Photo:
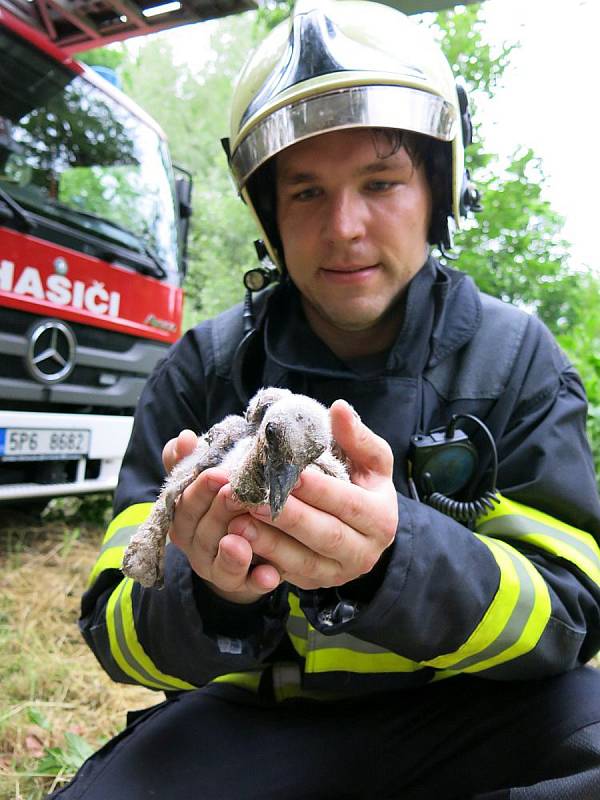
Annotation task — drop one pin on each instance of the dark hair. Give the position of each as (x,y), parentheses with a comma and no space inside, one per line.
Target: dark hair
(435,156)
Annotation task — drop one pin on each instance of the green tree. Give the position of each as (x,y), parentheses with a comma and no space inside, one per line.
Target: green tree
(112,57)
(515,250)
(194,113)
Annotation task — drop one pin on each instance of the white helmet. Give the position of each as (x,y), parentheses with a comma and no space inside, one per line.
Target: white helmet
(337,64)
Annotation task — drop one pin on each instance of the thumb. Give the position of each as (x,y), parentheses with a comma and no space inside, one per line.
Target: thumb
(178,448)
(371,456)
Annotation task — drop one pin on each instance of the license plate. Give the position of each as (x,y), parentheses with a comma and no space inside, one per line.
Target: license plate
(26,444)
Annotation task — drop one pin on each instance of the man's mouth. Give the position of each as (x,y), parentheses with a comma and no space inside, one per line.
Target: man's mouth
(349,273)
(349,267)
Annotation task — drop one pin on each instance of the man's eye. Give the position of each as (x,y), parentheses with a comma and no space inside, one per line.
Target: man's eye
(380,186)
(307,194)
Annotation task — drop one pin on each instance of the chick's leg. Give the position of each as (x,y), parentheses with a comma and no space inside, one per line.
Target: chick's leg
(143,560)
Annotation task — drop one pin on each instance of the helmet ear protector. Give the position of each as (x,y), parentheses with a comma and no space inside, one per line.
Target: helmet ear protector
(470,197)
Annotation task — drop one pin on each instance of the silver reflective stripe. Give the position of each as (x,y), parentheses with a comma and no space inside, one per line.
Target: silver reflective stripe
(515,625)
(297,627)
(517,526)
(385,106)
(346,642)
(124,648)
(120,538)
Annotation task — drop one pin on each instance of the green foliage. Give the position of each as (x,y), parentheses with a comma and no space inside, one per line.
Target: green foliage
(67,759)
(582,344)
(514,249)
(270,14)
(460,34)
(112,56)
(194,113)
(86,509)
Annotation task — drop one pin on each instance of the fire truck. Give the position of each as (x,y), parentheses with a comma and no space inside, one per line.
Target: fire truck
(93,227)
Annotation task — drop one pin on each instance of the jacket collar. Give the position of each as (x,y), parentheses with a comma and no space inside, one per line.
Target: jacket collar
(440,313)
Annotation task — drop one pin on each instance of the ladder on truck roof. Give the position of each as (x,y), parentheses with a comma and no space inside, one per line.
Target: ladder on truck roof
(76,25)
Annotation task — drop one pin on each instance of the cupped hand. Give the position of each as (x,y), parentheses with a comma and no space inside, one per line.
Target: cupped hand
(329,531)
(203,515)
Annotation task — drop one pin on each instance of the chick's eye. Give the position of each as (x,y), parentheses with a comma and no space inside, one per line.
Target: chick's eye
(271,432)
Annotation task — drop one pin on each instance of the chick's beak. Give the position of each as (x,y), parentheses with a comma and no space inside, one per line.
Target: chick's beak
(280,479)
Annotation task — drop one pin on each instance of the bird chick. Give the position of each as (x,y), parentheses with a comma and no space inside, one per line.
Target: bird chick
(294,433)
(263,452)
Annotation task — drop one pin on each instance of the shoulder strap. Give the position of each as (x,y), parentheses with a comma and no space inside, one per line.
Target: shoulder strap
(481,369)
(227,331)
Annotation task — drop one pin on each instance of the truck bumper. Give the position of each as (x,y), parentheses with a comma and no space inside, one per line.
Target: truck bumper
(25,473)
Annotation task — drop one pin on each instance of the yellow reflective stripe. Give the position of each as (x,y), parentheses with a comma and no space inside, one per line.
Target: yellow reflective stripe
(125,647)
(245,680)
(495,618)
(297,626)
(514,621)
(294,604)
(299,644)
(341,659)
(512,520)
(132,515)
(340,653)
(533,629)
(287,683)
(118,533)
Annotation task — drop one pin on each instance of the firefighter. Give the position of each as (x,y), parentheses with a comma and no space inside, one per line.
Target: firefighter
(423,631)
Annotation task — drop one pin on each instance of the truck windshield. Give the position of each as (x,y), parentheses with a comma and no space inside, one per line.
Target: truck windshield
(74,154)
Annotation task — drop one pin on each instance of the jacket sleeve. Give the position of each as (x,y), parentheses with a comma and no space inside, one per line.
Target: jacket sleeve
(518,597)
(180,636)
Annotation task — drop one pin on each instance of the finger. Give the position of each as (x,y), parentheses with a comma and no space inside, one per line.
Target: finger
(179,447)
(231,563)
(231,568)
(371,456)
(263,578)
(288,555)
(373,513)
(203,512)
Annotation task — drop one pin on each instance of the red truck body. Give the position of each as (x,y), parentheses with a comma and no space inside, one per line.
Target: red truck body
(93,222)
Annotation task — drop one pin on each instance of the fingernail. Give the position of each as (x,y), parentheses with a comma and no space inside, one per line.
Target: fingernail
(355,413)
(214,485)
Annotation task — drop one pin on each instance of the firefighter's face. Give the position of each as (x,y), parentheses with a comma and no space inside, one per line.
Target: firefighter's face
(354,230)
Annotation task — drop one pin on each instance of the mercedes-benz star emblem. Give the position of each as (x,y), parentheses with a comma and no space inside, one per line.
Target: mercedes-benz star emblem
(50,356)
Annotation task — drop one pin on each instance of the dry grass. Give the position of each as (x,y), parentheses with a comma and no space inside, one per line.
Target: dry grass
(45,667)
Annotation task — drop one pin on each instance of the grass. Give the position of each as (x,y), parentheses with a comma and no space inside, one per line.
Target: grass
(57,705)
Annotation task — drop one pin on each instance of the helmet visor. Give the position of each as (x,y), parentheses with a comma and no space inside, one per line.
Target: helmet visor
(381,106)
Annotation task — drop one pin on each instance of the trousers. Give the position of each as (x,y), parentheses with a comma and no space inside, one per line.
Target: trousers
(461,739)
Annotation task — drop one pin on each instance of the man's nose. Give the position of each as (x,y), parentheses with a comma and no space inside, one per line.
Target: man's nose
(344,217)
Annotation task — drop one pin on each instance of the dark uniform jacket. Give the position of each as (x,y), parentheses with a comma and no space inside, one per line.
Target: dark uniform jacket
(516,596)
